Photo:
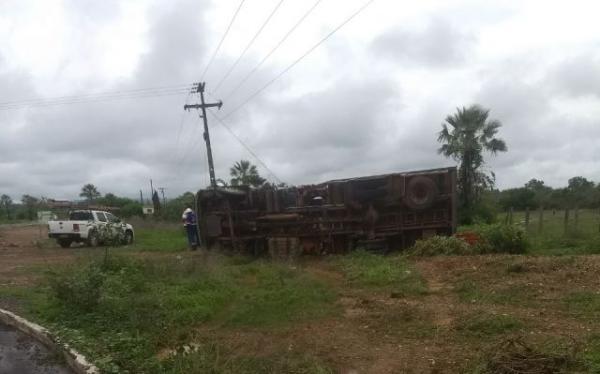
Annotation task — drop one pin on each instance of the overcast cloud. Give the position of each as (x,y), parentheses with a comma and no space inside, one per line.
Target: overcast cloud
(369,100)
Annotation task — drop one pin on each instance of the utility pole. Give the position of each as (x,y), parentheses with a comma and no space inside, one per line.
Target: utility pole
(141,198)
(162,191)
(203,106)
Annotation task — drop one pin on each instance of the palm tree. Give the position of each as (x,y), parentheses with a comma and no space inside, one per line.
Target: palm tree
(90,192)
(465,136)
(243,173)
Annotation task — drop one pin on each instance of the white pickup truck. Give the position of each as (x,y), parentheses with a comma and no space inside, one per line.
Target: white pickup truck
(92,227)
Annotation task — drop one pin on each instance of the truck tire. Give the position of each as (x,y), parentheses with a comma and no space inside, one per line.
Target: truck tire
(64,243)
(93,240)
(128,238)
(421,192)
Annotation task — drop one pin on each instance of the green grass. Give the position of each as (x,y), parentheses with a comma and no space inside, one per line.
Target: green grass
(392,273)
(163,239)
(470,292)
(584,304)
(144,306)
(483,325)
(591,354)
(554,240)
(211,358)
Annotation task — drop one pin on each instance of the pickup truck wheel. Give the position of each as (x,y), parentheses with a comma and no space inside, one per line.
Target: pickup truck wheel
(65,243)
(92,240)
(128,240)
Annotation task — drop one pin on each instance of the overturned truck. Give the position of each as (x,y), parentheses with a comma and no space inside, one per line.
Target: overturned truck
(381,212)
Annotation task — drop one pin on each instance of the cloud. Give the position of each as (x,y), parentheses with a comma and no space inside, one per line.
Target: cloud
(577,76)
(439,44)
(356,106)
(542,141)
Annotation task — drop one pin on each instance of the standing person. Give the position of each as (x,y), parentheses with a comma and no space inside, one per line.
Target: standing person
(189,222)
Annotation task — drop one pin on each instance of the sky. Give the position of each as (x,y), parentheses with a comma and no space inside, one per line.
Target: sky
(368,100)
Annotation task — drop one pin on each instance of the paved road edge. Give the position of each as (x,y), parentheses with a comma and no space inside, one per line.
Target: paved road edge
(76,361)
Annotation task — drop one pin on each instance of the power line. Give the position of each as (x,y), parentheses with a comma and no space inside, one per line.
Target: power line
(273,50)
(310,50)
(212,58)
(99,94)
(249,45)
(181,123)
(187,149)
(93,98)
(247,147)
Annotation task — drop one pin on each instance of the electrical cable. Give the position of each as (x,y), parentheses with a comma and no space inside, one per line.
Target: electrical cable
(289,67)
(272,51)
(212,58)
(93,98)
(139,91)
(247,147)
(218,85)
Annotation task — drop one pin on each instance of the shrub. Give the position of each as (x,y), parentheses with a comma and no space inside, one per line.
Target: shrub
(442,245)
(79,289)
(500,238)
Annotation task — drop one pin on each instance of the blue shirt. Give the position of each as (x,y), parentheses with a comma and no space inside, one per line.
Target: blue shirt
(189,218)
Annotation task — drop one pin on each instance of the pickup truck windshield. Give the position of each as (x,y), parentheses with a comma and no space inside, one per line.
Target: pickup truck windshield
(80,216)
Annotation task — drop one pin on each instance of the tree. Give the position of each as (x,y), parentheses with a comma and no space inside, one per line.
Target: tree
(580,191)
(6,204)
(535,185)
(90,192)
(465,135)
(30,203)
(542,193)
(243,173)
(518,198)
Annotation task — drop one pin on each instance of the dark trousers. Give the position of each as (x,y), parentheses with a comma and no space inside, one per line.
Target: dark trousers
(192,236)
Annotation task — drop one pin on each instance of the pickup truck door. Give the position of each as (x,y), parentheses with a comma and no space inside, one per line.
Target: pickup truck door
(116,227)
(102,227)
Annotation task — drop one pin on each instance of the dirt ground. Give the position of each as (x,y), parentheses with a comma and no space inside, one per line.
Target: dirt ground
(24,247)
(380,332)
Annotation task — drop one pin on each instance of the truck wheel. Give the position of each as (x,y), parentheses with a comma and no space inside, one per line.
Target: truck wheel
(421,192)
(65,243)
(92,240)
(128,239)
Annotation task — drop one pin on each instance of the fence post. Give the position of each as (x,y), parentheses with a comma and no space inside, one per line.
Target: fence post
(527,219)
(566,220)
(541,219)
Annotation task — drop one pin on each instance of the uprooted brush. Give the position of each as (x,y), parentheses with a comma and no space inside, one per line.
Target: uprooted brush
(514,356)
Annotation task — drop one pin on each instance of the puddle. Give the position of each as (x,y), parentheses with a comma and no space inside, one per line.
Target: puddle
(20,354)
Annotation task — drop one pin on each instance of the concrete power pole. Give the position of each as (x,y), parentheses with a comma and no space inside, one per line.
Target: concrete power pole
(203,106)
